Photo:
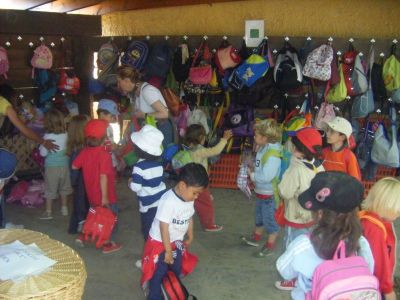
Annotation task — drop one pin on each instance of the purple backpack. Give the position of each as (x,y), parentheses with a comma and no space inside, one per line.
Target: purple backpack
(343,278)
(240,119)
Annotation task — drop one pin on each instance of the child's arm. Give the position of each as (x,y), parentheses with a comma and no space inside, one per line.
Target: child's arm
(104,189)
(217,149)
(189,239)
(352,165)
(164,228)
(135,184)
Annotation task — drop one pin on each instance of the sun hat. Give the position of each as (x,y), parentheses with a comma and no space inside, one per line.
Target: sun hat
(8,163)
(309,137)
(341,125)
(108,105)
(148,139)
(333,190)
(96,128)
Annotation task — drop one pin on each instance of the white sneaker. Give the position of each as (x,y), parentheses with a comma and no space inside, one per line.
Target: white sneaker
(10,225)
(138,264)
(64,211)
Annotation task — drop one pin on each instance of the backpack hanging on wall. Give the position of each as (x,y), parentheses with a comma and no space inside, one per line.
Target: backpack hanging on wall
(107,61)
(135,55)
(42,59)
(181,62)
(4,63)
(391,71)
(318,64)
(46,81)
(288,70)
(159,60)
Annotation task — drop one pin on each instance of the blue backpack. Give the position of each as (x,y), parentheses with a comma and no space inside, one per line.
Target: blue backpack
(135,55)
(159,60)
(46,81)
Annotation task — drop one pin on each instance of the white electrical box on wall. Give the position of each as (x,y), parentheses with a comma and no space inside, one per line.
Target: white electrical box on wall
(254,32)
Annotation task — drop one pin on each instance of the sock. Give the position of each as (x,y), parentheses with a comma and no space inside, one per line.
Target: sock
(270,245)
(256,236)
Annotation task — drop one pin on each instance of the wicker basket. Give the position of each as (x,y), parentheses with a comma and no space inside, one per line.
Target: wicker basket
(63,281)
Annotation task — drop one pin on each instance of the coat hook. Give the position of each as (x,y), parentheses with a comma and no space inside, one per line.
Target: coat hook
(185,37)
(214,50)
(19,38)
(52,45)
(129,38)
(244,37)
(330,39)
(351,40)
(316,107)
(361,54)
(30,44)
(286,95)
(339,53)
(112,39)
(62,39)
(337,108)
(276,106)
(166,37)
(205,37)
(147,37)
(21,96)
(306,95)
(348,97)
(394,41)
(378,111)
(297,107)
(309,38)
(224,37)
(274,51)
(287,39)
(372,41)
(8,44)
(390,100)
(41,39)
(382,54)
(265,37)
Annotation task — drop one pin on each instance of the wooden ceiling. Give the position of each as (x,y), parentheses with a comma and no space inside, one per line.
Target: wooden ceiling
(92,7)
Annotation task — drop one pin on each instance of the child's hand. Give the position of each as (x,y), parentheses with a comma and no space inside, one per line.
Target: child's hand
(105,202)
(227,134)
(187,242)
(168,258)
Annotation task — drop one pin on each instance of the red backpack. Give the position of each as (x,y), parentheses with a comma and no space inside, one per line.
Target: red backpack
(173,289)
(99,224)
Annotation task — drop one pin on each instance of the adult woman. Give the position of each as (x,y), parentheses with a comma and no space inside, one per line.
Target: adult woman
(7,110)
(148,100)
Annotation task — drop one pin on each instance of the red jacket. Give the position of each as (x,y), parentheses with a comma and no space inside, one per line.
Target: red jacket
(384,251)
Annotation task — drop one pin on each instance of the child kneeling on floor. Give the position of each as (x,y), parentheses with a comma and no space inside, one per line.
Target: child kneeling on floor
(98,174)
(166,246)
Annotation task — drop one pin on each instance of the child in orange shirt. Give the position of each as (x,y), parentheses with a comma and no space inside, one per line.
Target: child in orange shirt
(338,157)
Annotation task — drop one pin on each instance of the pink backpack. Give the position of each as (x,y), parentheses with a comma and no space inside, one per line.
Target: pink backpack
(42,58)
(4,64)
(344,278)
(34,196)
(18,191)
(325,114)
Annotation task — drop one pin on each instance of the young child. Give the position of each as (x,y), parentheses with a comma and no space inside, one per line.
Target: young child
(8,164)
(332,198)
(195,138)
(56,169)
(166,243)
(75,143)
(98,173)
(267,138)
(382,208)
(304,165)
(147,174)
(338,157)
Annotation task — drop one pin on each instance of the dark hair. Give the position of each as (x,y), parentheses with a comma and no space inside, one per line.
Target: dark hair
(7,91)
(102,111)
(94,142)
(194,134)
(308,155)
(333,227)
(194,175)
(144,155)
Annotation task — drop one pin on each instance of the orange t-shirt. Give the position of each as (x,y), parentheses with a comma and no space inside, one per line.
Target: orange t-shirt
(343,160)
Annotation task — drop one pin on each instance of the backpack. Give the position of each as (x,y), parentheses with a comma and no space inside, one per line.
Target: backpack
(288,71)
(391,73)
(4,63)
(42,58)
(135,55)
(159,60)
(343,278)
(107,61)
(99,224)
(359,78)
(249,72)
(46,81)
(240,120)
(182,158)
(172,288)
(318,64)
(325,114)
(181,63)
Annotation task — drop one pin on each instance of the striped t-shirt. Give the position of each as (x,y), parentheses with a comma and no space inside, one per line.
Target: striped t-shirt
(147,182)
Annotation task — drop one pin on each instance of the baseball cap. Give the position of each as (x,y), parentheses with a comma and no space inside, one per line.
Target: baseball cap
(148,139)
(96,128)
(333,190)
(309,137)
(109,105)
(341,125)
(8,163)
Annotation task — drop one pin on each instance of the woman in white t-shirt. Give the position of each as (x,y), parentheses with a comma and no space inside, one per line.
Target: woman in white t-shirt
(148,100)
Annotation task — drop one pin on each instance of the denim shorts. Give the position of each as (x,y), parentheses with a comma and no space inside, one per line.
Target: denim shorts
(264,214)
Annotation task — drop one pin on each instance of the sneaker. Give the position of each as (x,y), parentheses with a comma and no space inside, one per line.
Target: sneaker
(46,216)
(111,247)
(285,285)
(138,264)
(64,211)
(10,225)
(264,252)
(79,241)
(80,226)
(249,240)
(214,228)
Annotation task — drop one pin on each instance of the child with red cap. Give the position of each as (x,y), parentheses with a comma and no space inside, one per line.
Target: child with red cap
(304,165)
(98,172)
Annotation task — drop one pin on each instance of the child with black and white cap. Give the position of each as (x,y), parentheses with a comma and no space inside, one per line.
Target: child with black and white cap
(338,156)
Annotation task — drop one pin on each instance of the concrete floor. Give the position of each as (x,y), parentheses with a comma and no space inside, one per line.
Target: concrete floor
(226,268)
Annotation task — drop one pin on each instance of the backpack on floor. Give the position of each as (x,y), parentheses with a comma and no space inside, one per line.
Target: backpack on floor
(4,63)
(172,288)
(135,55)
(343,278)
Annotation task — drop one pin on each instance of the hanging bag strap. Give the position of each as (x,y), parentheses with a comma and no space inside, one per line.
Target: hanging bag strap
(196,56)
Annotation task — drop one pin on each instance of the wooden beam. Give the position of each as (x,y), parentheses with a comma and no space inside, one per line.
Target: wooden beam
(20,4)
(63,6)
(110,6)
(43,23)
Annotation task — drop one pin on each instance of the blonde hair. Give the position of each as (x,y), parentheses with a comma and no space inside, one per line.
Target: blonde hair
(383,198)
(270,129)
(76,136)
(128,72)
(54,121)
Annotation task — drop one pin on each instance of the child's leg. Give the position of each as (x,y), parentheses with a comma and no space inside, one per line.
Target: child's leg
(64,188)
(204,207)
(258,218)
(146,220)
(270,224)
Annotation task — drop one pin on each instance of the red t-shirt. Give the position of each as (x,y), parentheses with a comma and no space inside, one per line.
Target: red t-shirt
(95,161)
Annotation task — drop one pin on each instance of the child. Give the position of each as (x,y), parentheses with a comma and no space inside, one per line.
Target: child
(75,143)
(56,170)
(338,157)
(267,138)
(147,174)
(195,138)
(165,246)
(8,164)
(382,208)
(332,198)
(98,173)
(304,165)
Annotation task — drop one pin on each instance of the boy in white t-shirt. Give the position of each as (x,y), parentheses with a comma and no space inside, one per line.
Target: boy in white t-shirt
(165,246)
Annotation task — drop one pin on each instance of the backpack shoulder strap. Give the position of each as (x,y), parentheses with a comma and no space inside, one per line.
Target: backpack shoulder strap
(269,153)
(363,215)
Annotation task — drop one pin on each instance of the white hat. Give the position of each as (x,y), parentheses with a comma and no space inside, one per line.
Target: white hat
(341,125)
(148,139)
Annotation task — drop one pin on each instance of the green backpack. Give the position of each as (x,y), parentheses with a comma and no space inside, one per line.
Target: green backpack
(181,158)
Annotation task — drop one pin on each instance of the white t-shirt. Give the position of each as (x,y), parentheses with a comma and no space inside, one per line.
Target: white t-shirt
(148,95)
(176,212)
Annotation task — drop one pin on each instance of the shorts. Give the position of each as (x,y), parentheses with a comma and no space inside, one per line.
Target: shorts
(264,215)
(57,182)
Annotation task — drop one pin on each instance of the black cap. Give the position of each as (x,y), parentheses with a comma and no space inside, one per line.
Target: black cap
(333,190)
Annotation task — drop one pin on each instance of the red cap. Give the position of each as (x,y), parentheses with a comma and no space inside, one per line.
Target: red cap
(96,128)
(309,137)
